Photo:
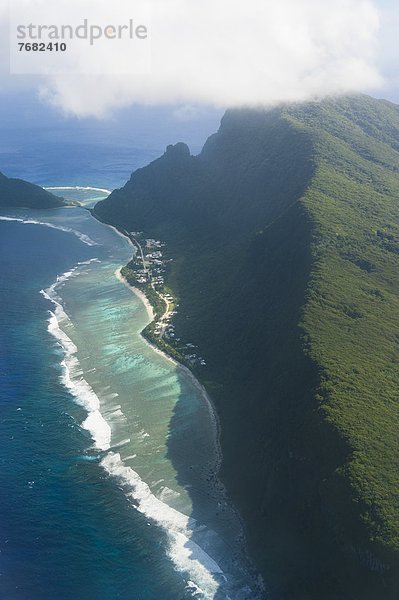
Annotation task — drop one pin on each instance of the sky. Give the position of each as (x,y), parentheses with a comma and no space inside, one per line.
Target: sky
(207,56)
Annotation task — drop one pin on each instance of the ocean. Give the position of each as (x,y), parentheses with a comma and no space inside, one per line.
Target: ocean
(109,452)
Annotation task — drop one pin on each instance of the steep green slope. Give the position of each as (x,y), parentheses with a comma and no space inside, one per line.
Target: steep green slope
(19,193)
(284,235)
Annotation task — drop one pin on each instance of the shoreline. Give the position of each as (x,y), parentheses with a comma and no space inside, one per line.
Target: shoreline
(260,584)
(179,365)
(209,409)
(138,293)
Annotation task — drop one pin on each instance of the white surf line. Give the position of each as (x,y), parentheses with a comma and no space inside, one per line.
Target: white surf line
(72,377)
(214,417)
(83,237)
(187,556)
(79,188)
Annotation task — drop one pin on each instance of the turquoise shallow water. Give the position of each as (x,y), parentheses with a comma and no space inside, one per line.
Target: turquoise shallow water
(144,447)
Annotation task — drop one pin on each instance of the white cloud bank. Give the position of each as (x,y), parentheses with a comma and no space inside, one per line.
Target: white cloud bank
(232,53)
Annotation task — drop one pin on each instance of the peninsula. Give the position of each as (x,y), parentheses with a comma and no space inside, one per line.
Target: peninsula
(18,193)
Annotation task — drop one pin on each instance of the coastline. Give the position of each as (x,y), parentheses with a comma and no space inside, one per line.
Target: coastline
(185,534)
(180,366)
(200,387)
(140,295)
(260,586)
(212,413)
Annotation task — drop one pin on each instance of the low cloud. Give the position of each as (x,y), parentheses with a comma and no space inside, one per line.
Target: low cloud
(225,53)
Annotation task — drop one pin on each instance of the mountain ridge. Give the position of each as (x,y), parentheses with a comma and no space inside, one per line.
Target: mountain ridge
(284,232)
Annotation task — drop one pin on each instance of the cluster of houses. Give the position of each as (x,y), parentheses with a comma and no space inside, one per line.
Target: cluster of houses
(142,276)
(154,244)
(194,360)
(150,270)
(187,350)
(155,260)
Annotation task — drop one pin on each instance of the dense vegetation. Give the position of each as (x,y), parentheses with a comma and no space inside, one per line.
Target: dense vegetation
(18,193)
(285,238)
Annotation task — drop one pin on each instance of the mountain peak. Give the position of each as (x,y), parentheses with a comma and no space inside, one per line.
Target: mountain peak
(179,150)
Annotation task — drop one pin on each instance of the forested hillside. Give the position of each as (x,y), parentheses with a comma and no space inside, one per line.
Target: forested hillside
(19,193)
(284,234)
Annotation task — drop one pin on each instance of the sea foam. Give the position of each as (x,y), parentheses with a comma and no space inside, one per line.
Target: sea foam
(72,375)
(83,238)
(79,188)
(202,573)
(187,556)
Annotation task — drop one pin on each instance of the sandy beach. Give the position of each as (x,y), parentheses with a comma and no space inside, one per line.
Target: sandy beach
(138,293)
(178,365)
(212,409)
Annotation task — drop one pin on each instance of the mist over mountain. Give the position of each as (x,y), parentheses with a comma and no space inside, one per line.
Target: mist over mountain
(284,235)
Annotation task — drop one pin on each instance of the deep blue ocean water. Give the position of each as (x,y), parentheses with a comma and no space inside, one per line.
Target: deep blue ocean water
(69,527)
(66,530)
